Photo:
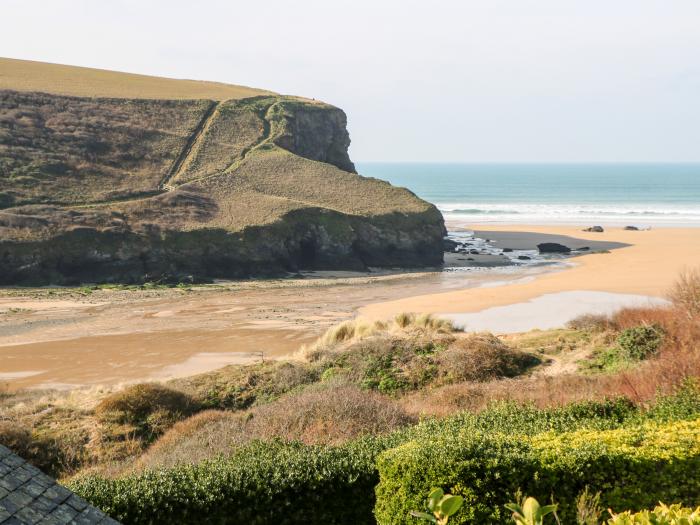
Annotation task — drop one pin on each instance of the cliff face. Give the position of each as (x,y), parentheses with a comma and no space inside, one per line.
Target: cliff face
(95,190)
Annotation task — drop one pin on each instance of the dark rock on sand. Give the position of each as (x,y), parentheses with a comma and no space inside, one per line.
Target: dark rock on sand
(632,228)
(597,229)
(553,247)
(524,258)
(507,250)
(583,249)
(450,246)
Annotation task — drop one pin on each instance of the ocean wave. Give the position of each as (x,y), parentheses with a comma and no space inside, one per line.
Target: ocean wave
(511,212)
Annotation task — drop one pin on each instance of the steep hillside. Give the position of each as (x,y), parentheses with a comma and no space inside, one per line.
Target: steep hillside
(129,189)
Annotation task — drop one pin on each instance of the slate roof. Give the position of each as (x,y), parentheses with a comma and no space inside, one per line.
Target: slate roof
(27,495)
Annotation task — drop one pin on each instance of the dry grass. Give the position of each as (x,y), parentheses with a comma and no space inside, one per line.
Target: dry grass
(481,357)
(146,410)
(678,359)
(685,293)
(403,325)
(26,75)
(320,415)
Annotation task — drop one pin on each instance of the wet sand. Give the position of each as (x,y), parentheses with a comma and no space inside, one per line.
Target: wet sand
(648,265)
(110,337)
(59,338)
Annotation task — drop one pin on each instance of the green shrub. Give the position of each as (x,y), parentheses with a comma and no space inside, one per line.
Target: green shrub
(633,467)
(263,483)
(632,345)
(661,515)
(640,342)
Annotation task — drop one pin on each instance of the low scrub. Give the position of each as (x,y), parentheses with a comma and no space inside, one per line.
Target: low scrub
(276,482)
(481,357)
(632,346)
(409,361)
(149,408)
(238,387)
(331,414)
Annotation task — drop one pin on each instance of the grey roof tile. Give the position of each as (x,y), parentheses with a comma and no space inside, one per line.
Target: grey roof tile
(28,496)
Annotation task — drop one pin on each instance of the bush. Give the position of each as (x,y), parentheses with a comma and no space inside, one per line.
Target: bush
(481,357)
(640,342)
(149,407)
(661,515)
(632,345)
(320,415)
(261,483)
(16,438)
(238,387)
(633,467)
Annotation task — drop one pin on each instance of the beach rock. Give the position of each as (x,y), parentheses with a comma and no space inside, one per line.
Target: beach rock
(507,250)
(474,252)
(597,229)
(524,258)
(553,247)
(450,246)
(583,248)
(470,258)
(632,228)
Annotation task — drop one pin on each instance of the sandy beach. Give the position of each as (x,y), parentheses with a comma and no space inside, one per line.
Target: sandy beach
(53,338)
(648,267)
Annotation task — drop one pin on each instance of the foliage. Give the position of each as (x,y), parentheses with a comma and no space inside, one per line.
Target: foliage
(640,342)
(531,513)
(441,507)
(632,345)
(588,508)
(264,482)
(633,467)
(661,515)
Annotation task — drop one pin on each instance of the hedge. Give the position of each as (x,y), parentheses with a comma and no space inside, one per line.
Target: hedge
(633,467)
(263,483)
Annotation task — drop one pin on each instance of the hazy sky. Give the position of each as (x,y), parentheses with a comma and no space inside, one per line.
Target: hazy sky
(469,80)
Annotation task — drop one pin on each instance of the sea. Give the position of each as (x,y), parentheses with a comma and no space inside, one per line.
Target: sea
(641,195)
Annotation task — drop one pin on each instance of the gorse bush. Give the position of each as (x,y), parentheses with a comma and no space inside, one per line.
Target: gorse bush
(640,342)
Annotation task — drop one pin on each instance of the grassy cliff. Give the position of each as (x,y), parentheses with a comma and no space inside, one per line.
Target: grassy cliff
(101,180)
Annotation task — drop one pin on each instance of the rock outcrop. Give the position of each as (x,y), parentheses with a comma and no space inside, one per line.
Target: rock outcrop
(109,189)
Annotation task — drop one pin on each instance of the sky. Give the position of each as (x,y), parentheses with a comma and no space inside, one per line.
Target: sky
(440,81)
